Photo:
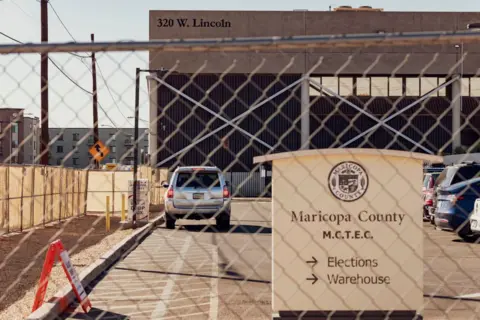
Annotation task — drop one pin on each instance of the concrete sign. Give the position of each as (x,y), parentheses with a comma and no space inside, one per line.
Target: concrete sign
(143,203)
(347,230)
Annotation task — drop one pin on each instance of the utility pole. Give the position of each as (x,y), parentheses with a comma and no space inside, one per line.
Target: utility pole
(44,84)
(135,146)
(95,101)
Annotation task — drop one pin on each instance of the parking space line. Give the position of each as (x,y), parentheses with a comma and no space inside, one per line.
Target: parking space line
(469,296)
(214,286)
(161,307)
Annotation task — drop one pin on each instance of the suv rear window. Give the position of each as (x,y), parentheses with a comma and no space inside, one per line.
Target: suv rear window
(197,179)
(445,177)
(466,173)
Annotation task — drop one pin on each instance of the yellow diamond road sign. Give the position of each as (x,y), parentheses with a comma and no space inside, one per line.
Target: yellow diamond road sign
(99,151)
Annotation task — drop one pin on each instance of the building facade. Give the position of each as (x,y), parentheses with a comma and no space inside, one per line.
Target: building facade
(12,134)
(70,147)
(31,146)
(345,87)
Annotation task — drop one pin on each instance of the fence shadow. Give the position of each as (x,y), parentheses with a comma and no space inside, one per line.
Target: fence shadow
(238,228)
(22,255)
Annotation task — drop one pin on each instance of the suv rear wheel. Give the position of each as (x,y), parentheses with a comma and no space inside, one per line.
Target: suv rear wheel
(223,221)
(169,221)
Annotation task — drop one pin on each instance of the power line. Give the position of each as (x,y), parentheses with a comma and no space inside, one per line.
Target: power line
(110,92)
(66,75)
(68,31)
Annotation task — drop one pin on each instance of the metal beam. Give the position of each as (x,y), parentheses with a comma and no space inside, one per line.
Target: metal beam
(372,117)
(411,105)
(255,43)
(235,120)
(230,122)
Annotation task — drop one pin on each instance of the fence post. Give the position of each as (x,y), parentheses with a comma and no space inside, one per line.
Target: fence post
(113,192)
(86,192)
(72,176)
(107,214)
(51,194)
(79,176)
(32,203)
(21,197)
(44,184)
(7,179)
(60,194)
(123,208)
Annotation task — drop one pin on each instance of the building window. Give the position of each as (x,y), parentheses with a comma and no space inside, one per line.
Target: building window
(59,162)
(331,84)
(465,87)
(14,128)
(113,149)
(346,87)
(76,136)
(379,87)
(427,84)
(363,86)
(75,161)
(395,87)
(413,87)
(1,149)
(442,92)
(114,160)
(475,87)
(314,84)
(59,149)
(60,137)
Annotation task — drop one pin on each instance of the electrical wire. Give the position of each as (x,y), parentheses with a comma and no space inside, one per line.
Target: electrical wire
(68,31)
(67,76)
(110,92)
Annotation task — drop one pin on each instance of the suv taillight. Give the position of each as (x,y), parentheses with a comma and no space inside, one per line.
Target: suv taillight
(170,193)
(455,198)
(226,193)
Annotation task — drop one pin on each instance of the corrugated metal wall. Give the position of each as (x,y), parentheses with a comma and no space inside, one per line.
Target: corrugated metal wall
(275,122)
(332,122)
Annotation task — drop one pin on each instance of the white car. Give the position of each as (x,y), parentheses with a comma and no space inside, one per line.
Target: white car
(197,193)
(475,218)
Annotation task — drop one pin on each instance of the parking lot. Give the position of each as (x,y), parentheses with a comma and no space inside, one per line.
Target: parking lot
(196,272)
(451,271)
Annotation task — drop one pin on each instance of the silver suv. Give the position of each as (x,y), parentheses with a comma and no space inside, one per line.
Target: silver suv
(197,193)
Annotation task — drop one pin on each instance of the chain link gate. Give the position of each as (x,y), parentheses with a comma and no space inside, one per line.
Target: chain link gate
(239,122)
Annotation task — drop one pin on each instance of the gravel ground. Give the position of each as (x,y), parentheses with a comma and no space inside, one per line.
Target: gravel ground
(22,257)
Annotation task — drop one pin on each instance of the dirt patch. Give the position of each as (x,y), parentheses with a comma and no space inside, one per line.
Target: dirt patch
(22,257)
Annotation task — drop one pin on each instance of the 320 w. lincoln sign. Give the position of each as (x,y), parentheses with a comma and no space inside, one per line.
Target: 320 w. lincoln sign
(192,23)
(347,231)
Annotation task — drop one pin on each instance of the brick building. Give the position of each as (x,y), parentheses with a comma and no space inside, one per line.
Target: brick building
(12,134)
(379,79)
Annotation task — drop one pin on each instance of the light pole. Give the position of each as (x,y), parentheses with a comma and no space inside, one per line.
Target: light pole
(142,152)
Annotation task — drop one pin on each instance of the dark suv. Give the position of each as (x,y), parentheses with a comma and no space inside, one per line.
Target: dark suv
(451,175)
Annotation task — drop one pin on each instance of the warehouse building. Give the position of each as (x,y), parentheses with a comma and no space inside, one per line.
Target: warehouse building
(346,87)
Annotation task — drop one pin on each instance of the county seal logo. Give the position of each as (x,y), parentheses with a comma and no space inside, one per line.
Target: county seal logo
(348,181)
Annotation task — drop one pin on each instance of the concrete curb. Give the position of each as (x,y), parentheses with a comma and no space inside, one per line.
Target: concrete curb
(52,310)
(252,199)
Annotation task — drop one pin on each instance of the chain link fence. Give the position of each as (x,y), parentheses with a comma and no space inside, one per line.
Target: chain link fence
(322,159)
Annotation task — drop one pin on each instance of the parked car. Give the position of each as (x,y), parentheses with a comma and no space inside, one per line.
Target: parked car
(197,193)
(427,190)
(475,218)
(455,205)
(451,175)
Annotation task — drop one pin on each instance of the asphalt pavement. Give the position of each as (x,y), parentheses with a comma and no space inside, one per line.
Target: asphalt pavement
(193,272)
(196,272)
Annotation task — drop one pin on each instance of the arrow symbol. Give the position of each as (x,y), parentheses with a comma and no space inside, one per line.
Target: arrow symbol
(314,279)
(313,262)
(97,147)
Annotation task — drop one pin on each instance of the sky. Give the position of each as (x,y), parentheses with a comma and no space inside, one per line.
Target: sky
(115,20)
